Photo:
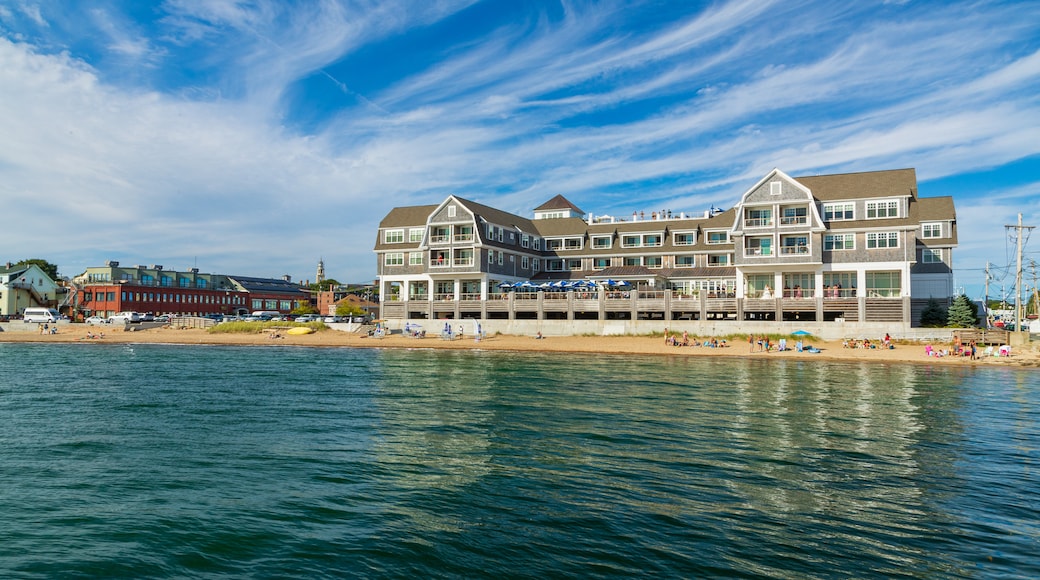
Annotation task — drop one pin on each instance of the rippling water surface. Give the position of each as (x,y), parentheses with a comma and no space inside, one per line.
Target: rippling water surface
(220,462)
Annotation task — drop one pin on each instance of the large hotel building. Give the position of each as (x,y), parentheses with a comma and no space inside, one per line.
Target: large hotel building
(860,249)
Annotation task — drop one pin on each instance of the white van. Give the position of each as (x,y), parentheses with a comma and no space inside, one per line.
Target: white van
(266,314)
(40,315)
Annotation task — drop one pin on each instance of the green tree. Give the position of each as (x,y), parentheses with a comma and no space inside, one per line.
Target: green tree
(348,309)
(324,285)
(304,308)
(962,313)
(933,315)
(50,269)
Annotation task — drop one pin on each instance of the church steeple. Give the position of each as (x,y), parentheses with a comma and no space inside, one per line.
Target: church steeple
(320,276)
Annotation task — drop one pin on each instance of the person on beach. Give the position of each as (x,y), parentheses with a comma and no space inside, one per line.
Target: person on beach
(751,342)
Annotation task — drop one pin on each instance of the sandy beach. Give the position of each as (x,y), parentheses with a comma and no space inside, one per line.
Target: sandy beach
(641,345)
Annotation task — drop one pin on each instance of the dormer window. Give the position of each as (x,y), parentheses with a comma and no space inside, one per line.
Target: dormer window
(882,209)
(931,230)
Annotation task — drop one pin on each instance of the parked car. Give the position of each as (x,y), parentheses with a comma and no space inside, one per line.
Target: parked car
(147,317)
(124,317)
(95,320)
(308,318)
(162,318)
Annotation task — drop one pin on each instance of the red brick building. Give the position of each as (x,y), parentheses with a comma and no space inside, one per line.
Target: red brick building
(109,289)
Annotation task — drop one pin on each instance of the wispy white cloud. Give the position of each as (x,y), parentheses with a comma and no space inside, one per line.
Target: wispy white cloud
(683,111)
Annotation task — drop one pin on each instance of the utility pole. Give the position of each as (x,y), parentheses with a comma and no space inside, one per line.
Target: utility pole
(1018,271)
(1036,292)
(985,298)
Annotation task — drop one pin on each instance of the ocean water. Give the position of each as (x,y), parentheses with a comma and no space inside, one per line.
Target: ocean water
(164,461)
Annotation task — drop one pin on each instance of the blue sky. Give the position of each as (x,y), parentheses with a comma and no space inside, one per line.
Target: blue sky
(256,137)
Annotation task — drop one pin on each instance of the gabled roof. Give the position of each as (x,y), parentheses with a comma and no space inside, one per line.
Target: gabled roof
(558,202)
(13,270)
(413,215)
(496,216)
(869,184)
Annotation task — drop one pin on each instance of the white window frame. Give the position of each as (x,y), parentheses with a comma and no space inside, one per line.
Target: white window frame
(393,236)
(632,261)
(415,258)
(676,241)
(525,241)
(883,209)
(681,261)
(795,218)
(596,246)
(758,217)
(931,230)
(776,188)
(847,242)
(649,243)
(875,239)
(596,266)
(723,261)
(452,211)
(626,237)
(394,259)
(709,236)
(839,212)
(525,262)
(415,235)
(931,256)
(654,262)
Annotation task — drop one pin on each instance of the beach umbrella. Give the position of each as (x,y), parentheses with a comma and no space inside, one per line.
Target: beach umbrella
(801,333)
(559,284)
(609,282)
(504,285)
(622,283)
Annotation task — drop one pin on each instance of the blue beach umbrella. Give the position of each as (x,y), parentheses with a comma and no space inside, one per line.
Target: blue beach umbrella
(801,333)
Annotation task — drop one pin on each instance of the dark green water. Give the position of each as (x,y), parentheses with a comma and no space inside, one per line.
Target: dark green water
(151,461)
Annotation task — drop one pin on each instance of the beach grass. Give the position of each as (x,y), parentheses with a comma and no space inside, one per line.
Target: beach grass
(244,327)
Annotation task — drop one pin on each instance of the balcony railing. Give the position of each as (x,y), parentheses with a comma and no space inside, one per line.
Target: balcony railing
(440,239)
(758,222)
(793,220)
(463,238)
(793,250)
(750,252)
(463,262)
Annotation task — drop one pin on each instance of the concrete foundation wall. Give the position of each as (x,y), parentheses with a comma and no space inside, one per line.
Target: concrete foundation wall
(705,329)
